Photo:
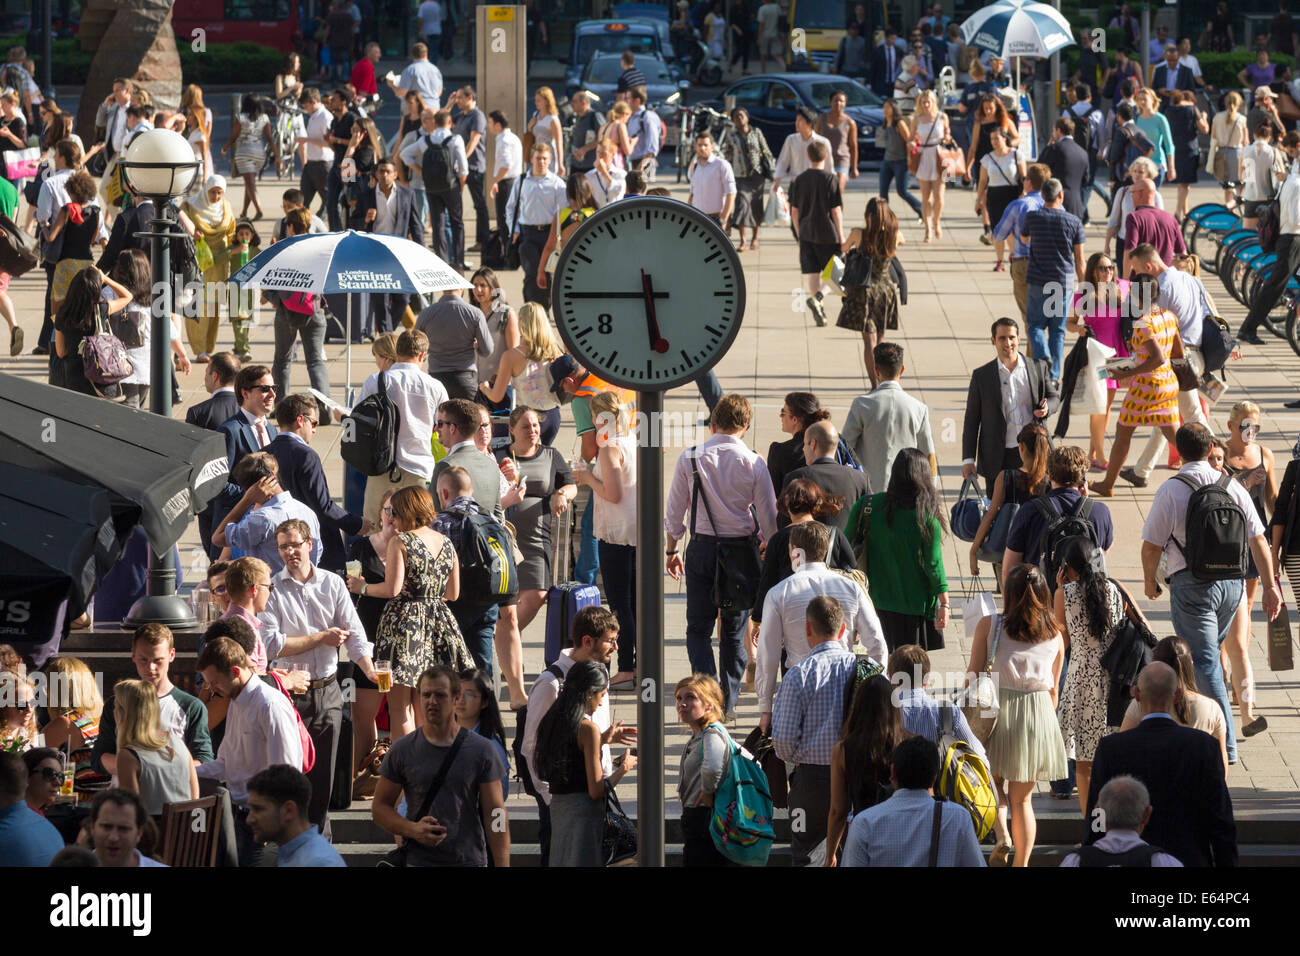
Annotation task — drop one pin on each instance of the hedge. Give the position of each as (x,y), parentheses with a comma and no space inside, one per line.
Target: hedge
(247,64)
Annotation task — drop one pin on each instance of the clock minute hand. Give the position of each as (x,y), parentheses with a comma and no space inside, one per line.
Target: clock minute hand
(657,341)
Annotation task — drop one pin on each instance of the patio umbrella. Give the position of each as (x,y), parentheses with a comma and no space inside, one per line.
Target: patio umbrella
(1018,28)
(342,262)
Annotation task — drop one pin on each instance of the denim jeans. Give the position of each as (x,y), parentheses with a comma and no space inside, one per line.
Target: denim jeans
(1045,317)
(618,571)
(313,346)
(702,614)
(477,623)
(584,572)
(1202,612)
(896,172)
(710,389)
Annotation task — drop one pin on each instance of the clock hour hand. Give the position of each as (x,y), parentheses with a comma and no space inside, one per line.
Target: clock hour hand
(612,295)
(657,341)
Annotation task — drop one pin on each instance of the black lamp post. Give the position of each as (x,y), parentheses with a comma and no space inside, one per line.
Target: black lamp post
(160,165)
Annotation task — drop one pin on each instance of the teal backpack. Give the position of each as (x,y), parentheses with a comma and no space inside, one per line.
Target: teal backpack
(741,825)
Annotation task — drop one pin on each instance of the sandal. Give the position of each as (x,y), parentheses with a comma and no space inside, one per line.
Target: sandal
(1002,855)
(1258,725)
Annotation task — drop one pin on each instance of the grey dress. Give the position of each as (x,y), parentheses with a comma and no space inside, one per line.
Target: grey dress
(545,472)
(163,781)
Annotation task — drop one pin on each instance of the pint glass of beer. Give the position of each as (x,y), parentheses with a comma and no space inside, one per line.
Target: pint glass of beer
(384,676)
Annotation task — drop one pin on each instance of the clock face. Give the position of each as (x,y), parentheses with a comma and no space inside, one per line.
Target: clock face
(649,293)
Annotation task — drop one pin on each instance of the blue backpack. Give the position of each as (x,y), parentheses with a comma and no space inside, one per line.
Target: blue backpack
(741,825)
(844,456)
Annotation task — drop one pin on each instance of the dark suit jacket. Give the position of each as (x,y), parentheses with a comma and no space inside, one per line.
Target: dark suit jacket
(784,457)
(405,215)
(881,82)
(1068,162)
(835,479)
(213,412)
(240,441)
(1182,768)
(303,477)
(983,434)
(1184,80)
(125,226)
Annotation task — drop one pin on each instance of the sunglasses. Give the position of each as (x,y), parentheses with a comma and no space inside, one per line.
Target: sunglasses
(52,775)
(219,589)
(265,389)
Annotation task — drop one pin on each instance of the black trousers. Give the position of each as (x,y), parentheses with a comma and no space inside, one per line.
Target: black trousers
(532,241)
(1288,260)
(315,176)
(698,848)
(321,709)
(1010,459)
(333,198)
(47,323)
(386,311)
(544,830)
(810,792)
(459,384)
(443,206)
(504,188)
(479,199)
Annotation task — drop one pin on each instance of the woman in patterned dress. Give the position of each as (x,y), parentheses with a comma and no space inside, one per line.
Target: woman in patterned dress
(417,629)
(1152,397)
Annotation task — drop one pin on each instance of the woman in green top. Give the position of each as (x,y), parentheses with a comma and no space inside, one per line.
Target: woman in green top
(1156,128)
(903,530)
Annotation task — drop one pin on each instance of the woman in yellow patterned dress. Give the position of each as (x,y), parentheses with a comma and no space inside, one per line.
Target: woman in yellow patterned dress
(1152,397)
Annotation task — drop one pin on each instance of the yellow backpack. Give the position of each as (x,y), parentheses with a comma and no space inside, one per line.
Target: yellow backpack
(964,776)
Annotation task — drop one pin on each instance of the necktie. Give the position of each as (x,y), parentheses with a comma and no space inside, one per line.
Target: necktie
(262,438)
(889,62)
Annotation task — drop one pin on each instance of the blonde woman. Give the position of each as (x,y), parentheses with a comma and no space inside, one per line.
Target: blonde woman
(1228,136)
(75,703)
(546,128)
(150,761)
(198,130)
(613,489)
(931,130)
(527,367)
(705,760)
(210,218)
(615,131)
(1155,127)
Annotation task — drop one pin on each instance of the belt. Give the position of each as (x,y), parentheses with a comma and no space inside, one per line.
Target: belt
(524,225)
(320,682)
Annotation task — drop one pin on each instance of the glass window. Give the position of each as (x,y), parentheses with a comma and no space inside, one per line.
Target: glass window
(607,69)
(257,9)
(780,95)
(749,94)
(820,14)
(856,94)
(613,43)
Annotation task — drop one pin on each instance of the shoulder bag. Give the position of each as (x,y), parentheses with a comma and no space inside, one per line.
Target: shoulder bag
(993,546)
(620,840)
(397,856)
(979,702)
(917,148)
(103,356)
(738,566)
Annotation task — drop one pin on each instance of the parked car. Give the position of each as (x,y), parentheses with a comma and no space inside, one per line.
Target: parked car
(664,94)
(772,98)
(639,34)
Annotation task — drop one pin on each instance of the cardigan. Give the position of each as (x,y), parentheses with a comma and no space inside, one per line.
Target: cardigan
(904,573)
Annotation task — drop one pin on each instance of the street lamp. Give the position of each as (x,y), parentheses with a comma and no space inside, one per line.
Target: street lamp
(160,165)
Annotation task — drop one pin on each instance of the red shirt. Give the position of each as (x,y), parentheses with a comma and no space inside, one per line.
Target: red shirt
(363,77)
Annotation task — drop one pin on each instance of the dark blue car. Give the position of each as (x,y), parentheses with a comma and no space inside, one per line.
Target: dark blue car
(772,98)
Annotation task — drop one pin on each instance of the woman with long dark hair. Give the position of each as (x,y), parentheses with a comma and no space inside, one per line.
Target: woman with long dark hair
(250,130)
(502,321)
(1191,707)
(800,410)
(568,758)
(479,713)
(893,169)
(1001,172)
(75,320)
(134,324)
(1089,608)
(1026,745)
(903,530)
(873,308)
(860,760)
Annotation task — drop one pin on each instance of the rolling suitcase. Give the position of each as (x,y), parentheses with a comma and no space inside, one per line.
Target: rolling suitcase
(565,598)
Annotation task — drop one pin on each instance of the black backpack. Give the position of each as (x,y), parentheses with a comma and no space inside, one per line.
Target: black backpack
(1215,549)
(1269,223)
(1059,528)
(1083,132)
(487,562)
(436,167)
(521,721)
(863,668)
(369,442)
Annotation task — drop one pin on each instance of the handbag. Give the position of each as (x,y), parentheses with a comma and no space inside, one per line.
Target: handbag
(397,856)
(760,745)
(126,325)
(17,248)
(857,270)
(21,163)
(969,511)
(976,606)
(103,356)
(620,841)
(979,702)
(1280,655)
(1217,343)
(738,566)
(203,254)
(1187,380)
(1218,164)
(952,161)
(995,544)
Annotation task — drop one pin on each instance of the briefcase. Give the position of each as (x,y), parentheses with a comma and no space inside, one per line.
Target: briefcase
(1280,656)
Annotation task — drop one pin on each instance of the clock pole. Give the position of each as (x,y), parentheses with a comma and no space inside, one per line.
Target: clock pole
(650,631)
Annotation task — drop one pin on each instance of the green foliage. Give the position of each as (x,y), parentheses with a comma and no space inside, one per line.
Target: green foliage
(1221,69)
(248,64)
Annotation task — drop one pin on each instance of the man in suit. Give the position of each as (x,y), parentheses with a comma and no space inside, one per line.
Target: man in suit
(130,221)
(388,209)
(246,431)
(1171,75)
(219,380)
(886,420)
(1005,395)
(302,475)
(1182,768)
(1069,163)
(886,61)
(820,442)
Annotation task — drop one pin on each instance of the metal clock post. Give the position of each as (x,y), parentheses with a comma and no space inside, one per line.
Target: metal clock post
(649,295)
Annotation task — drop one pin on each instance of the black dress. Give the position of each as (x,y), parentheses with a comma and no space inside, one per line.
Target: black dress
(784,457)
(70,372)
(1182,127)
(369,609)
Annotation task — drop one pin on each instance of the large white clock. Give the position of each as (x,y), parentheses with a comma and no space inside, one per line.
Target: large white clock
(649,293)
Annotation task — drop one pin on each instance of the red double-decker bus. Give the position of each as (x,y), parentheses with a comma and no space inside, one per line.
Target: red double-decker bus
(271,23)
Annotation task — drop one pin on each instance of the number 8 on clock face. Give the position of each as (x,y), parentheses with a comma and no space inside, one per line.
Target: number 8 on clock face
(649,293)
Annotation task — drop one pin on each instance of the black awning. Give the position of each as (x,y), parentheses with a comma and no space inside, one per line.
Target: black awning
(167,468)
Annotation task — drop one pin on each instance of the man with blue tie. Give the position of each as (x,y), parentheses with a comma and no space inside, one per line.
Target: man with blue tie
(247,431)
(885,63)
(302,476)
(250,525)
(211,413)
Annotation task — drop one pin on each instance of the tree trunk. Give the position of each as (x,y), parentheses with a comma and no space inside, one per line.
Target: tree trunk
(132,39)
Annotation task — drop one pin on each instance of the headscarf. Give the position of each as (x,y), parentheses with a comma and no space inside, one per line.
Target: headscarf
(211,213)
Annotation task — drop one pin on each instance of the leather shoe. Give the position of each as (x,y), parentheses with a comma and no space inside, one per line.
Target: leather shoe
(1099,491)
(1295,404)
(1250,338)
(1132,477)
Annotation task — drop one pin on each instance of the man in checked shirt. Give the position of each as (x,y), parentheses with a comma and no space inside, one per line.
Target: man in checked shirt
(806,722)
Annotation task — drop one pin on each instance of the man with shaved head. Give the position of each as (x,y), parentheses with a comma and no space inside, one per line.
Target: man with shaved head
(1182,769)
(1125,807)
(820,444)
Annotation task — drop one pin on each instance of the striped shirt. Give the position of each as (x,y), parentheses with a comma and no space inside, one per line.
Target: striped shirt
(810,705)
(1052,233)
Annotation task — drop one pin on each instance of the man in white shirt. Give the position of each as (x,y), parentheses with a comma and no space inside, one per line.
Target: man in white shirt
(117,821)
(420,75)
(261,731)
(1288,249)
(643,129)
(1188,59)
(784,610)
(770,42)
(429,16)
(794,151)
(451,167)
(608,183)
(1125,805)
(417,396)
(1201,610)
(53,197)
(886,420)
(595,638)
(713,182)
(308,615)
(537,198)
(509,157)
(315,171)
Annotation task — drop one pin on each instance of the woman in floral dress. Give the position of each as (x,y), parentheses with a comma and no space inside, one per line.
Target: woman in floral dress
(1152,397)
(417,629)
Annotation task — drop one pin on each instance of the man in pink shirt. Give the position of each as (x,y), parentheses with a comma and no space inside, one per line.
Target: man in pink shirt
(248,586)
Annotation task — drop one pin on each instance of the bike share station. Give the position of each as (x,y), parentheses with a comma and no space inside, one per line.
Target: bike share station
(649,320)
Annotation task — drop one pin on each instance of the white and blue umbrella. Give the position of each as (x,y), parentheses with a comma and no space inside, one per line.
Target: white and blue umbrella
(1016,28)
(348,262)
